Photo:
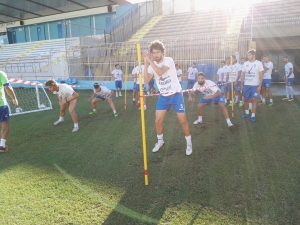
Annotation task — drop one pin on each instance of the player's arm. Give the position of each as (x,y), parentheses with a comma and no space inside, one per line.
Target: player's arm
(290,72)
(147,76)
(214,95)
(93,96)
(191,96)
(238,76)
(242,80)
(10,91)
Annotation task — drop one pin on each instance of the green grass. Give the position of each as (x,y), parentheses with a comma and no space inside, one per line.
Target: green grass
(247,175)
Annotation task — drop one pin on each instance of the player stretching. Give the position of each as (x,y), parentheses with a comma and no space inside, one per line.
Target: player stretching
(266,85)
(102,93)
(236,73)
(164,72)
(226,71)
(4,110)
(118,75)
(221,75)
(192,73)
(67,97)
(179,74)
(289,79)
(252,77)
(211,93)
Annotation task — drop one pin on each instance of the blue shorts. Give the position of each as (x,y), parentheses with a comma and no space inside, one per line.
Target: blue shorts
(238,86)
(266,83)
(250,92)
(217,100)
(134,83)
(229,86)
(191,83)
(290,82)
(137,88)
(180,82)
(102,98)
(118,84)
(176,100)
(151,83)
(220,84)
(4,113)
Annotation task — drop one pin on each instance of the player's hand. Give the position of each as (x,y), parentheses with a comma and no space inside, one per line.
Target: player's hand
(242,88)
(258,89)
(15,102)
(146,56)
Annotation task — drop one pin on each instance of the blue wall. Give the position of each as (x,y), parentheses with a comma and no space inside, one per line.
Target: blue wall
(123,9)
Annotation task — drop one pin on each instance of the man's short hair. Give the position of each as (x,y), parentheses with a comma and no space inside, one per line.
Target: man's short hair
(227,58)
(252,51)
(233,56)
(157,45)
(285,57)
(50,83)
(116,65)
(96,85)
(244,58)
(176,64)
(194,63)
(201,74)
(223,61)
(265,56)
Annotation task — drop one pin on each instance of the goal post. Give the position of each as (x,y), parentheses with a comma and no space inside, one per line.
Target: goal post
(31,98)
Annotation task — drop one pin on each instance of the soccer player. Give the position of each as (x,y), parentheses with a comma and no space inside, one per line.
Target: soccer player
(236,73)
(266,85)
(179,74)
(211,93)
(118,75)
(67,97)
(252,77)
(243,60)
(221,75)
(226,70)
(102,93)
(137,86)
(134,75)
(4,110)
(164,72)
(192,73)
(289,79)
(151,88)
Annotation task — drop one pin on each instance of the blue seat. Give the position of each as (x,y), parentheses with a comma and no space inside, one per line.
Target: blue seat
(68,81)
(61,81)
(74,81)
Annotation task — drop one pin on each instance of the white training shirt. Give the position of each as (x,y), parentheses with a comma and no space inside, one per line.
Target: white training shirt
(268,73)
(179,72)
(138,78)
(219,73)
(210,87)
(117,74)
(168,82)
(287,69)
(104,92)
(192,72)
(252,70)
(226,70)
(134,73)
(235,71)
(65,91)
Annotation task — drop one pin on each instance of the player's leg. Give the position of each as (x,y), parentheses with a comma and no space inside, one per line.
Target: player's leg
(268,90)
(225,92)
(263,99)
(62,113)
(72,105)
(145,107)
(94,102)
(116,86)
(247,95)
(229,89)
(159,118)
(133,94)
(225,113)
(291,90)
(112,106)
(253,100)
(4,118)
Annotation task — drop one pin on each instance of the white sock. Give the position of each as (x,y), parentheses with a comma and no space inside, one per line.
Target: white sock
(225,100)
(291,91)
(2,142)
(133,99)
(228,121)
(261,97)
(230,102)
(61,118)
(247,111)
(253,115)
(271,100)
(250,105)
(160,138)
(94,110)
(114,111)
(188,140)
(236,98)
(263,100)
(75,125)
(120,93)
(287,91)
(199,118)
(145,107)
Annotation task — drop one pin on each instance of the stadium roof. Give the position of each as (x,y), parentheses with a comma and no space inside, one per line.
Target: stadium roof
(16,10)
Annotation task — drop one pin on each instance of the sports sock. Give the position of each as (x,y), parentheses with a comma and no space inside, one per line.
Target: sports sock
(61,118)
(114,111)
(2,142)
(253,115)
(199,118)
(271,100)
(94,110)
(120,93)
(291,91)
(75,125)
(247,111)
(263,100)
(188,140)
(133,99)
(145,107)
(228,121)
(160,138)
(236,98)
(287,91)
(250,105)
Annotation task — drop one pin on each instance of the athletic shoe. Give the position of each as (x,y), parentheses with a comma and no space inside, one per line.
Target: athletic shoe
(93,112)
(120,95)
(285,99)
(198,121)
(271,104)
(138,104)
(117,94)
(291,99)
(188,150)
(75,129)
(3,149)
(250,109)
(158,146)
(253,119)
(145,107)
(262,103)
(230,125)
(116,115)
(241,104)
(245,115)
(133,103)
(57,122)
(230,105)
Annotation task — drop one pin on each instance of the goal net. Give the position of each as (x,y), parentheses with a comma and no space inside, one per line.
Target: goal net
(31,98)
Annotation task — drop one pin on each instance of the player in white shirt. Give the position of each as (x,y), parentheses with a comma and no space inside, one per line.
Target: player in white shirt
(242,61)
(226,71)
(211,93)
(179,74)
(67,97)
(164,72)
(192,76)
(252,77)
(134,76)
(137,86)
(117,74)
(266,85)
(220,74)
(236,76)
(102,93)
(289,79)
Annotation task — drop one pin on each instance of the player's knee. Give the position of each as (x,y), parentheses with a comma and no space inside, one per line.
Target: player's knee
(158,121)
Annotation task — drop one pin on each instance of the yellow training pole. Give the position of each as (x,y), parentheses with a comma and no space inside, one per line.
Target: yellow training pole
(232,90)
(126,75)
(138,46)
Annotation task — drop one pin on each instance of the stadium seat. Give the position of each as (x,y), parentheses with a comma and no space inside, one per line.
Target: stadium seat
(61,81)
(74,81)
(69,81)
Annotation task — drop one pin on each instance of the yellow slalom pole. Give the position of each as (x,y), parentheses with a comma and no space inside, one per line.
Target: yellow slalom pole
(232,90)
(126,75)
(138,46)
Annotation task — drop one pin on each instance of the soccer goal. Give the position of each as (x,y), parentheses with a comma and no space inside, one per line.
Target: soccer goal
(31,98)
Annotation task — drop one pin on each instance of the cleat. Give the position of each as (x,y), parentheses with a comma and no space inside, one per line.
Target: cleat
(271,104)
(261,103)
(188,150)
(138,104)
(116,115)
(3,149)
(75,129)
(241,104)
(230,105)
(253,119)
(245,115)
(120,95)
(230,125)
(158,146)
(198,121)
(57,122)
(145,107)
(93,112)
(291,99)
(117,94)
(285,99)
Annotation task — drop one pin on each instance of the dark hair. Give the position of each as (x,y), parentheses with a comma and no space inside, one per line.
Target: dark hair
(51,83)
(285,57)
(223,61)
(233,56)
(96,85)
(252,51)
(201,74)
(244,58)
(116,65)
(157,45)
(176,64)
(227,58)
(264,56)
